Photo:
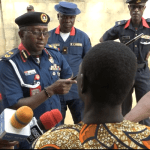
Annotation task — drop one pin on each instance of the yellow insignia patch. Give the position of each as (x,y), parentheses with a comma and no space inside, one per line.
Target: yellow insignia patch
(56,44)
(44,17)
(50,45)
(7,55)
(10,53)
(55,47)
(138,1)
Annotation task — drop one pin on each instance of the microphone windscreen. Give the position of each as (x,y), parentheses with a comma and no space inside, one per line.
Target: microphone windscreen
(21,117)
(51,118)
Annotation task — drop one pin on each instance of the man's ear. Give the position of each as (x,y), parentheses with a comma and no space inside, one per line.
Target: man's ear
(58,16)
(83,84)
(21,34)
(129,7)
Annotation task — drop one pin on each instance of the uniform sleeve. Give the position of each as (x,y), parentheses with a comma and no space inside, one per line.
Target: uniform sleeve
(10,87)
(87,45)
(111,34)
(66,71)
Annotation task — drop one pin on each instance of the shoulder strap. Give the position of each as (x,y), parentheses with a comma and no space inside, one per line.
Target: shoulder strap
(119,23)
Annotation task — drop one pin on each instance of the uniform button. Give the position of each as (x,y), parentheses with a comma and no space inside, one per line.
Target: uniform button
(135,45)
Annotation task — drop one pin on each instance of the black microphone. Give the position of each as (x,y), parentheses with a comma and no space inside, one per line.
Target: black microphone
(46,121)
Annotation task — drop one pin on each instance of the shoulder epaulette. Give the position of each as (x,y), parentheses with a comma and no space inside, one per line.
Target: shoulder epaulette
(48,46)
(10,54)
(122,22)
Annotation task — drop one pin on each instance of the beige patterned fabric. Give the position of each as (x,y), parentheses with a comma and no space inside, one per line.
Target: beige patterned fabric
(124,135)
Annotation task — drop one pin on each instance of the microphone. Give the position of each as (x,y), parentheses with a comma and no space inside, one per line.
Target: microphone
(46,121)
(15,127)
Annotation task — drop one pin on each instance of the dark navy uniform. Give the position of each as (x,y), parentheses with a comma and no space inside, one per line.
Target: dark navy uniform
(23,74)
(48,71)
(124,31)
(74,49)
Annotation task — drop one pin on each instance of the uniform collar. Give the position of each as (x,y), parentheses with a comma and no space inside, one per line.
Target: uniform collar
(24,53)
(72,33)
(144,23)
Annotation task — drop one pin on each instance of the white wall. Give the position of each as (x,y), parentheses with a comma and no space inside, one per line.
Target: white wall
(147,10)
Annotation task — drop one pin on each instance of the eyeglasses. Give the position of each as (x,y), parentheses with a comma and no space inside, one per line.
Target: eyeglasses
(39,33)
(140,7)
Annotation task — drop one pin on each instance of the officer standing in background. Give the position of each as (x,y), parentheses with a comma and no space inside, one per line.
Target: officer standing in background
(126,30)
(73,45)
(30,8)
(33,74)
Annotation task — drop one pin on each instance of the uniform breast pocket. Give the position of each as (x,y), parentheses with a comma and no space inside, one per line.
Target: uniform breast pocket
(76,49)
(145,42)
(29,79)
(124,39)
(145,48)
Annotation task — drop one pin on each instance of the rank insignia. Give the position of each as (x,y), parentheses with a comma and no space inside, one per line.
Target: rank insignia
(7,55)
(44,17)
(138,1)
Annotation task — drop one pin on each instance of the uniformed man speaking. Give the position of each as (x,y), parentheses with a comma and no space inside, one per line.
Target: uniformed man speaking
(33,74)
(126,30)
(73,45)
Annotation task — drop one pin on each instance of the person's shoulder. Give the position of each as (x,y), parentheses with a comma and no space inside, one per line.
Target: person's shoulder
(52,30)
(132,126)
(61,133)
(50,47)
(10,54)
(121,22)
(78,31)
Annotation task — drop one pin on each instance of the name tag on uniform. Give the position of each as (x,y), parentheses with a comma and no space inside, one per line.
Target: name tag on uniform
(30,72)
(125,37)
(146,37)
(34,91)
(76,44)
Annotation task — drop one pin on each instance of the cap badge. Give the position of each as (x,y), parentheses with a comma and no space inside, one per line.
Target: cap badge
(44,17)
